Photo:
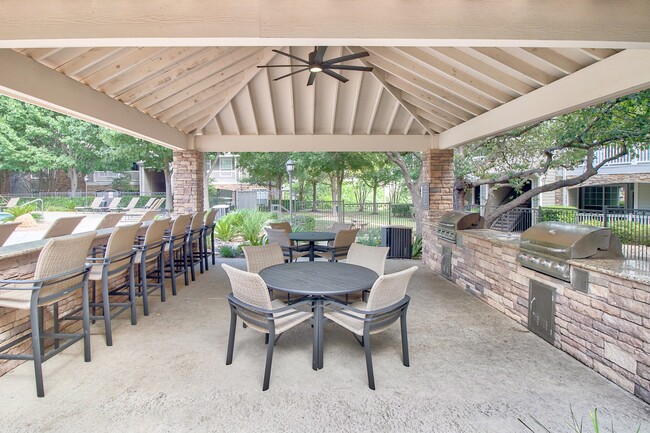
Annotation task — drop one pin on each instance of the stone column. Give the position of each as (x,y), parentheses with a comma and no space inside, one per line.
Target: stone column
(438,170)
(188,181)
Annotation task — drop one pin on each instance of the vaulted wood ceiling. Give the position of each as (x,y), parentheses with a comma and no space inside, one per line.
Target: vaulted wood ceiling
(220,90)
(184,73)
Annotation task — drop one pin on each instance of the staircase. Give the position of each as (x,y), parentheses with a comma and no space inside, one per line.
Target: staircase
(508,221)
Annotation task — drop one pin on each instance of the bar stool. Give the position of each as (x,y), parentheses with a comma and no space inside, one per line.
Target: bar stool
(60,273)
(194,232)
(150,250)
(176,249)
(117,260)
(208,230)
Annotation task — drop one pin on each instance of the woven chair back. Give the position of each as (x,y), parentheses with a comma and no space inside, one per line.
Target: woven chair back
(209,218)
(156,231)
(63,226)
(263,256)
(345,238)
(180,224)
(389,289)
(248,287)
(197,220)
(277,236)
(369,257)
(120,242)
(284,225)
(148,216)
(61,255)
(109,220)
(337,227)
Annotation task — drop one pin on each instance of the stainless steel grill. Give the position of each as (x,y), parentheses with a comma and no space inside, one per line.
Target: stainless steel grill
(546,247)
(453,221)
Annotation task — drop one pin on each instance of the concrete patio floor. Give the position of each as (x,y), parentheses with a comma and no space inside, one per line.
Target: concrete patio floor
(472,370)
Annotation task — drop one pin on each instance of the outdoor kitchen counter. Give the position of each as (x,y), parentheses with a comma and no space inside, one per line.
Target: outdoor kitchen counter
(632,270)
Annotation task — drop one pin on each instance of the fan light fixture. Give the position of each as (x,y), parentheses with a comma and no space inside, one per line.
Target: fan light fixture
(316,63)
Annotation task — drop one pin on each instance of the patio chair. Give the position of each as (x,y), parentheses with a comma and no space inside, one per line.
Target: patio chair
(340,246)
(6,229)
(114,205)
(336,227)
(284,225)
(60,273)
(115,260)
(95,205)
(250,301)
(149,251)
(146,216)
(194,240)
(63,226)
(291,252)
(208,230)
(109,220)
(13,202)
(387,303)
(176,250)
(369,257)
(262,256)
(130,206)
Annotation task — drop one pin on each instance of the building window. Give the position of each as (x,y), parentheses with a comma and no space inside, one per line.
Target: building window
(225,164)
(599,197)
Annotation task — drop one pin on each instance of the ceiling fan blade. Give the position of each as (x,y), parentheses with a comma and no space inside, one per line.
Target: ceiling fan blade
(312,78)
(281,66)
(320,53)
(346,58)
(333,74)
(349,68)
(288,75)
(291,56)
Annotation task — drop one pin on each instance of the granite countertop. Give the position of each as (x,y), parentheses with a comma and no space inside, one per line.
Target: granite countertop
(633,270)
(511,239)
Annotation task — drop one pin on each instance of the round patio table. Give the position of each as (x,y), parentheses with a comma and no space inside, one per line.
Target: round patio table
(311,237)
(318,280)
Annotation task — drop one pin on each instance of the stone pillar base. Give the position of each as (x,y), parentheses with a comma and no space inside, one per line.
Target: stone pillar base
(188,181)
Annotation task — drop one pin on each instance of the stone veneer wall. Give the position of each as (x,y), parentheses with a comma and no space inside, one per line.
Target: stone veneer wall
(438,170)
(188,181)
(607,329)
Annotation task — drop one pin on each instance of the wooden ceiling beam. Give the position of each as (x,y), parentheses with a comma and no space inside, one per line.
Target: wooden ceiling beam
(312,143)
(588,86)
(23,78)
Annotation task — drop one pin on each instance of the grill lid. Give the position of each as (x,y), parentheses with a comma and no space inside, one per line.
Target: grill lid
(570,241)
(457,220)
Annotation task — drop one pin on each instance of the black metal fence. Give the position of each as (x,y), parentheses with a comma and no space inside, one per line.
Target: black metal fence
(632,226)
(369,218)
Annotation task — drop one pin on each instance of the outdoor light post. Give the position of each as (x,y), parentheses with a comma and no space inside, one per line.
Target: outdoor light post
(86,179)
(290,166)
(140,176)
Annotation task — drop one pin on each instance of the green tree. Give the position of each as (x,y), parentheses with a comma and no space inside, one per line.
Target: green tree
(122,151)
(380,172)
(409,165)
(516,157)
(265,168)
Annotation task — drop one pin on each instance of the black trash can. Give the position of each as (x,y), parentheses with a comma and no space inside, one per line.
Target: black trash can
(398,240)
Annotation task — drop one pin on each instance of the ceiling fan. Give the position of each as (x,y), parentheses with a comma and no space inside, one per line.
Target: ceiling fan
(316,64)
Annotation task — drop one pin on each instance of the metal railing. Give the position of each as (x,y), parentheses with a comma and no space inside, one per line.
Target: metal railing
(632,226)
(368,218)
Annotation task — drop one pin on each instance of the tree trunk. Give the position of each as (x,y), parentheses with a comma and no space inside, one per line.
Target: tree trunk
(413,186)
(374,199)
(314,184)
(72,174)
(460,190)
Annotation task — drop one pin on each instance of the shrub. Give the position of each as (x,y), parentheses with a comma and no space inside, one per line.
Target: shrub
(371,237)
(19,210)
(304,223)
(629,232)
(402,210)
(224,230)
(252,224)
(229,251)
(416,247)
(64,204)
(565,214)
